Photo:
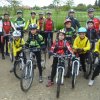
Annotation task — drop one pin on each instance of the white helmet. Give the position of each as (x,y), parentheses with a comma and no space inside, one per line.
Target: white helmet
(16,33)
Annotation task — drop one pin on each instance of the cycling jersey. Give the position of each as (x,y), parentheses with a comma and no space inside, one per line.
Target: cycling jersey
(82,44)
(31,21)
(97,47)
(17,45)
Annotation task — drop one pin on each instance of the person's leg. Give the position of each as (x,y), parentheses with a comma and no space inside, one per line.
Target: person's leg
(2,47)
(46,36)
(38,57)
(7,40)
(51,36)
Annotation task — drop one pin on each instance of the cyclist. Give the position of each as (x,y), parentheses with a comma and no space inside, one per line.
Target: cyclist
(70,31)
(41,23)
(33,20)
(18,43)
(82,46)
(1,33)
(48,27)
(60,46)
(20,22)
(97,69)
(7,27)
(95,20)
(74,21)
(91,33)
(36,40)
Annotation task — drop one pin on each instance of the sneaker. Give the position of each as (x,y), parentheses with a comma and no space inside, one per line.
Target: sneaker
(40,79)
(91,82)
(49,83)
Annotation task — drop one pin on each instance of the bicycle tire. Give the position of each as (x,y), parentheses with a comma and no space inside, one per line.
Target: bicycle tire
(74,76)
(26,77)
(59,83)
(17,66)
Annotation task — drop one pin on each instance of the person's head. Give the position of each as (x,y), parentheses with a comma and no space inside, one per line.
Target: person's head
(33,29)
(41,15)
(16,35)
(82,32)
(90,24)
(19,13)
(91,12)
(61,35)
(49,15)
(6,16)
(33,14)
(67,23)
(71,13)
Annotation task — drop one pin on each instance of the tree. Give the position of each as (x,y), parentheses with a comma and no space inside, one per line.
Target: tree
(69,3)
(99,3)
(96,3)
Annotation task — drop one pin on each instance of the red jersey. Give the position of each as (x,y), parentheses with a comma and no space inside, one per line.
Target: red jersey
(61,44)
(48,25)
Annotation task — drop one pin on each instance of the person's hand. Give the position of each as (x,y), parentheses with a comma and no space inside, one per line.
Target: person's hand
(80,50)
(50,53)
(96,54)
(73,57)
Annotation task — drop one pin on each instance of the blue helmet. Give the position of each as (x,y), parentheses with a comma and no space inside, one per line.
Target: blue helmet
(82,30)
(33,26)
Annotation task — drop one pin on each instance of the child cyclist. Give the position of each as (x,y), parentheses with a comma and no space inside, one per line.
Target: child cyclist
(91,33)
(97,69)
(82,46)
(60,46)
(70,31)
(35,40)
(18,43)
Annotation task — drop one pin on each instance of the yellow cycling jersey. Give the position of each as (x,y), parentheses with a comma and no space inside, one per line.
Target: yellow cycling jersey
(97,47)
(17,45)
(31,21)
(82,44)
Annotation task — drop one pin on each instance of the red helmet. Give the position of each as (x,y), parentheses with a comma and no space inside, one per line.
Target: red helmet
(67,20)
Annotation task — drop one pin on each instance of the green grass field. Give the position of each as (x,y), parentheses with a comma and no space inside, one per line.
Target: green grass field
(60,17)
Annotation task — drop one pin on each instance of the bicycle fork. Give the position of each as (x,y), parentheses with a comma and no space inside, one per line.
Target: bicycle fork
(62,77)
(78,65)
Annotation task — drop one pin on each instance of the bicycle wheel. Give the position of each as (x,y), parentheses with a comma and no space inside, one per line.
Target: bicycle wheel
(18,67)
(59,82)
(27,77)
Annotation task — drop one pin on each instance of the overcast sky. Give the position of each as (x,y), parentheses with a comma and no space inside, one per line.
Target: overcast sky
(47,2)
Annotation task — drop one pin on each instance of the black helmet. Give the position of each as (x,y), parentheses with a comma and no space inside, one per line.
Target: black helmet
(49,12)
(33,26)
(6,13)
(19,12)
(71,11)
(90,10)
(33,12)
(90,21)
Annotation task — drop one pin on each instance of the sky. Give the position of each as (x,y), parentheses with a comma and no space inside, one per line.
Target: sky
(41,3)
(47,2)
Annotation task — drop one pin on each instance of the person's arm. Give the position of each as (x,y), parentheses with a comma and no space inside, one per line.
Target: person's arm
(78,24)
(53,25)
(97,46)
(12,25)
(27,25)
(53,47)
(75,44)
(69,48)
(87,46)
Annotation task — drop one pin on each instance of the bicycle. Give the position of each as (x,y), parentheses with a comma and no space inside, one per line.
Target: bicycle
(19,64)
(60,71)
(28,70)
(75,70)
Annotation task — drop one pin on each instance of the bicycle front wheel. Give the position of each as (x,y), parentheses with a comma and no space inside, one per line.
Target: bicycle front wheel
(18,69)
(27,77)
(59,82)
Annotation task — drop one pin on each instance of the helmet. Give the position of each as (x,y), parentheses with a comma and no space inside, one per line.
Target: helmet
(90,10)
(62,31)
(90,21)
(41,13)
(6,13)
(71,11)
(33,12)
(16,33)
(19,12)
(67,20)
(82,30)
(49,12)
(33,26)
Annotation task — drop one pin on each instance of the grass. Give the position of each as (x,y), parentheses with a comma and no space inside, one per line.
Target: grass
(60,17)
